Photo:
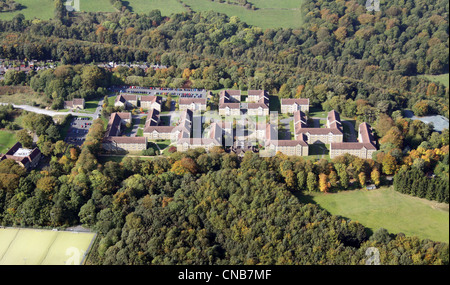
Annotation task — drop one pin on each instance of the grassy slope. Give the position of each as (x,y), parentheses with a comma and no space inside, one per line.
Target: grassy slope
(41,9)
(271,14)
(167,7)
(96,6)
(442,78)
(7,140)
(386,208)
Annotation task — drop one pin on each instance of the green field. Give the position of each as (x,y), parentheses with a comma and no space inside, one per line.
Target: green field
(40,9)
(96,6)
(167,7)
(7,140)
(386,208)
(43,247)
(270,13)
(442,78)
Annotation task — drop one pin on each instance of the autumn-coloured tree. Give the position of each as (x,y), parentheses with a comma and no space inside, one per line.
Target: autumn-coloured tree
(393,136)
(375,176)
(341,34)
(324,185)
(362,179)
(389,164)
(47,184)
(421,108)
(289,178)
(183,166)
(333,178)
(299,91)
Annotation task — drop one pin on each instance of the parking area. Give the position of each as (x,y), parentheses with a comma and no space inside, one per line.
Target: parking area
(78,130)
(181,92)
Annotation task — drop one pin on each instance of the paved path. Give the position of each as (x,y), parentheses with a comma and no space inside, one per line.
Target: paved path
(48,112)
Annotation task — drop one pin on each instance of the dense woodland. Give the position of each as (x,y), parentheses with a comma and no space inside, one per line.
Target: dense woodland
(342,53)
(9,6)
(202,208)
(216,208)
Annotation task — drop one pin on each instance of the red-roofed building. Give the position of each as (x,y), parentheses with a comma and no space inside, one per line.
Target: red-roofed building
(364,148)
(27,158)
(289,106)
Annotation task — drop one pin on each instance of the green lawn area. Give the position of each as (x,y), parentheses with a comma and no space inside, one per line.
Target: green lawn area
(111,100)
(7,140)
(323,123)
(167,7)
(316,112)
(163,144)
(270,13)
(41,9)
(96,6)
(442,78)
(90,106)
(386,208)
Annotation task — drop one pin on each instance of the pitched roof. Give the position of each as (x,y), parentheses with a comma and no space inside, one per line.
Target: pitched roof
(113,125)
(159,129)
(151,98)
(78,101)
(188,101)
(366,134)
(152,118)
(291,101)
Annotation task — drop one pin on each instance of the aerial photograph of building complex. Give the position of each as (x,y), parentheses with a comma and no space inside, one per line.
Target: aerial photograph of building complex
(202,134)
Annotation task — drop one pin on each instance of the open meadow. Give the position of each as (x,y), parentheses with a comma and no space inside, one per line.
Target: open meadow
(442,78)
(267,13)
(386,208)
(7,140)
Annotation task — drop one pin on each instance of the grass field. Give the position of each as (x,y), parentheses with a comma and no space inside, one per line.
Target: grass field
(43,247)
(386,208)
(96,6)
(167,7)
(7,140)
(40,9)
(270,13)
(442,78)
(22,95)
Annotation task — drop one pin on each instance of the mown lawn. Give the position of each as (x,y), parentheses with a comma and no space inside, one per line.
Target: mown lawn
(7,140)
(269,13)
(40,9)
(167,7)
(386,208)
(442,78)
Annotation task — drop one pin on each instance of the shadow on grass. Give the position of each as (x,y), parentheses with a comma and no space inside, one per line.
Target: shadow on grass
(306,198)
